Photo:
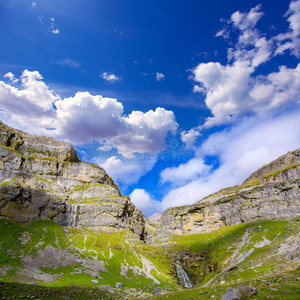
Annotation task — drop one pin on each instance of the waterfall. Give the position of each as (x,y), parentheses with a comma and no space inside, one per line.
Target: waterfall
(184,280)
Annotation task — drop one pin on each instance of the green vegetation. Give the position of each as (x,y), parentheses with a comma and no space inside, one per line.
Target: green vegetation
(86,186)
(274,174)
(122,257)
(257,254)
(278,287)
(12,149)
(243,253)
(32,157)
(23,291)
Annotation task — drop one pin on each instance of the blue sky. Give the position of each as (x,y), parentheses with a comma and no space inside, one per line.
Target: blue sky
(175,99)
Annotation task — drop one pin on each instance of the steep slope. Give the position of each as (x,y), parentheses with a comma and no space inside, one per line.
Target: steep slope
(43,179)
(65,222)
(45,253)
(273,192)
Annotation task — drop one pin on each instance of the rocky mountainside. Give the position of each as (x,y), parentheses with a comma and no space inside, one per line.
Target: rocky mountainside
(44,179)
(272,192)
(64,224)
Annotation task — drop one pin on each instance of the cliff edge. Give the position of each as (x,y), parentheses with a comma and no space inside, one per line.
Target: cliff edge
(42,178)
(272,192)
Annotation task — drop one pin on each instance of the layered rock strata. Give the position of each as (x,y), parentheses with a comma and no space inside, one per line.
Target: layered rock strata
(272,192)
(42,178)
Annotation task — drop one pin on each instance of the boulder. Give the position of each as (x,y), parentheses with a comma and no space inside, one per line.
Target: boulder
(247,291)
(231,294)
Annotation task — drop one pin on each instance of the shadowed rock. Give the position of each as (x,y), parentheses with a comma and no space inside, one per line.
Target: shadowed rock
(42,178)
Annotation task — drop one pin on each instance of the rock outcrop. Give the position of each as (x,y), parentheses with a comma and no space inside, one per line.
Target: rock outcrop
(272,192)
(42,178)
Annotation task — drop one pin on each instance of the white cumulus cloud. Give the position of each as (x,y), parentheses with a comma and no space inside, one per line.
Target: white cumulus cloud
(84,118)
(234,90)
(189,137)
(127,173)
(143,201)
(184,173)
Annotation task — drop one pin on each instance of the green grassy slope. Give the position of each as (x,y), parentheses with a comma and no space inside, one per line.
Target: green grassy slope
(46,254)
(264,254)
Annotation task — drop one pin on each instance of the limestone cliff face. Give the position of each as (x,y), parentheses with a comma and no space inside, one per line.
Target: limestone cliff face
(272,192)
(41,178)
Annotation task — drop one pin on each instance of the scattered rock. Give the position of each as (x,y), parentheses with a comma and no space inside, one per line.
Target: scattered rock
(119,284)
(95,275)
(203,293)
(94,281)
(158,291)
(232,294)
(247,291)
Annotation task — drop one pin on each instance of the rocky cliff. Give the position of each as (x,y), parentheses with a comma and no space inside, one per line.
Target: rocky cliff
(272,192)
(42,178)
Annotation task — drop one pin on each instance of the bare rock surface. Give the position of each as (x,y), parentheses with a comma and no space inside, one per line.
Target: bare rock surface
(156,218)
(41,178)
(273,192)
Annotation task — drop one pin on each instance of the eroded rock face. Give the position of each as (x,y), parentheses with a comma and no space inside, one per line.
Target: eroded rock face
(42,178)
(270,193)
(36,145)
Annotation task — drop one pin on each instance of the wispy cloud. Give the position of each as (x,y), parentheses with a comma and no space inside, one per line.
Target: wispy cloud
(11,77)
(68,62)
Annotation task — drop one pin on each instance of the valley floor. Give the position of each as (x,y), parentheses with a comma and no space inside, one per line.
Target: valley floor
(42,260)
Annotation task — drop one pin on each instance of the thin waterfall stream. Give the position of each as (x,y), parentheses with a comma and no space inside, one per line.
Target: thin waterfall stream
(184,280)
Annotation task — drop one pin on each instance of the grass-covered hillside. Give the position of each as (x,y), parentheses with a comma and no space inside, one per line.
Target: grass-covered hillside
(54,261)
(44,253)
(264,254)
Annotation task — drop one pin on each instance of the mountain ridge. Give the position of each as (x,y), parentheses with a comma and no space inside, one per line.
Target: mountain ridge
(65,222)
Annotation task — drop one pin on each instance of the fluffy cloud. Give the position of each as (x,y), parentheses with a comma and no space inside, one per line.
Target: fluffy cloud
(145,132)
(246,21)
(31,106)
(240,150)
(233,90)
(189,137)
(143,201)
(193,169)
(129,172)
(110,77)
(84,117)
(291,39)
